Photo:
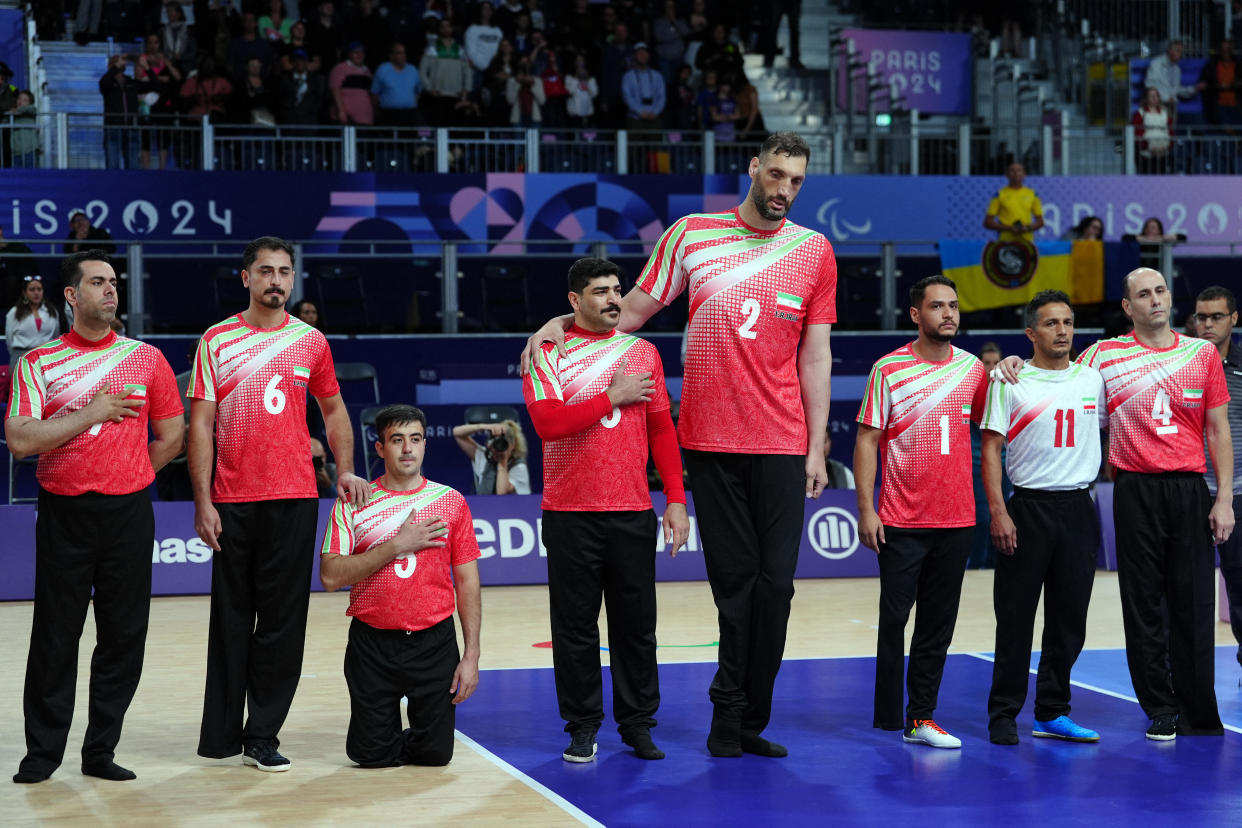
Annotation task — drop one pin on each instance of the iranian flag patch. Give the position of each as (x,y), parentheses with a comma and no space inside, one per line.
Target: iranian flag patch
(301,374)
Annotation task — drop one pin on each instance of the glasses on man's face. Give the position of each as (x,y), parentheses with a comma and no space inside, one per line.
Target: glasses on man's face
(1214,318)
(34,278)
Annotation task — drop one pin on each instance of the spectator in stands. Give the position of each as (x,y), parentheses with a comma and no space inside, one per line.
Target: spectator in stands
(275,26)
(537,18)
(721,55)
(176,39)
(580,106)
(700,24)
(396,88)
(1165,76)
(369,25)
(446,77)
(120,106)
(500,465)
(325,470)
(555,93)
(669,33)
(254,98)
(496,84)
(249,44)
(750,126)
(85,236)
(324,35)
(724,114)
(523,35)
(682,113)
(525,96)
(839,474)
(86,24)
(706,98)
(1015,212)
(207,92)
(1091,228)
(482,42)
(16,263)
(298,40)
(307,311)
(30,322)
(577,28)
(643,90)
(539,51)
(24,140)
(302,92)
(8,92)
(507,14)
(613,66)
(159,80)
(1222,88)
(1153,130)
(1152,240)
(215,27)
(792,11)
(350,85)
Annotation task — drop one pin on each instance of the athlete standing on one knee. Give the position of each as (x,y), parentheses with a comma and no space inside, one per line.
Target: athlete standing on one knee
(248,389)
(83,403)
(754,409)
(917,410)
(1048,533)
(597,410)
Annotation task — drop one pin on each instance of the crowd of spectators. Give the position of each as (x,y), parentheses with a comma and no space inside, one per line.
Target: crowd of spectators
(665,64)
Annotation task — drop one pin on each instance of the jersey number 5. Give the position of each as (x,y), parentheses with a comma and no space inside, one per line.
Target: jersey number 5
(612,419)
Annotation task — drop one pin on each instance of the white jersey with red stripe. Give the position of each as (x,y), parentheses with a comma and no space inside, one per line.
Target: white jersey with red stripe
(924,409)
(752,294)
(1158,400)
(259,379)
(414,591)
(603,468)
(1052,422)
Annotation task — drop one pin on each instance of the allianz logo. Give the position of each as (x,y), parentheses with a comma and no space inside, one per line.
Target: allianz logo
(517,537)
(177,550)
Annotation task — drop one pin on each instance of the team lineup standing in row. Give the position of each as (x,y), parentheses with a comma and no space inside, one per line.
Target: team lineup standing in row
(753,414)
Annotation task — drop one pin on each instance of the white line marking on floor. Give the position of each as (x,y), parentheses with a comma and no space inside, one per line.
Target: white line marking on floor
(551,795)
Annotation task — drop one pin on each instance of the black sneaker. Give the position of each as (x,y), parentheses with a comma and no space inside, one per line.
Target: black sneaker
(265,757)
(640,739)
(582,746)
(1163,728)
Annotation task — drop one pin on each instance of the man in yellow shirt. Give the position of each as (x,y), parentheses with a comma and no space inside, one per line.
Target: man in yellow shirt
(1015,212)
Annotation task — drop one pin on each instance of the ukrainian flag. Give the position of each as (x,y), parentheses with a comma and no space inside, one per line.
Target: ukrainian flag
(962,261)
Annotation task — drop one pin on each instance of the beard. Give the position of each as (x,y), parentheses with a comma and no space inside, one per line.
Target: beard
(761,205)
(940,336)
(273,300)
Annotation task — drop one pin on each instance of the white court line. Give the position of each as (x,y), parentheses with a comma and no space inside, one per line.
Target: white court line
(538,787)
(1090,687)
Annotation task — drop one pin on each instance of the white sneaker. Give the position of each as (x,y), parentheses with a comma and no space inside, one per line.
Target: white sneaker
(927,732)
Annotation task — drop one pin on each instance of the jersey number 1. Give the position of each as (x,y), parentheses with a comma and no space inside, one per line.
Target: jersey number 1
(1064,437)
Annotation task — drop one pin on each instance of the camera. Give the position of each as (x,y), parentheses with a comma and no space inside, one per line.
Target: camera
(499,444)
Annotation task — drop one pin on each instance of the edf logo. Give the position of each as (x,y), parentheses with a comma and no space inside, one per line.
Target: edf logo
(833,533)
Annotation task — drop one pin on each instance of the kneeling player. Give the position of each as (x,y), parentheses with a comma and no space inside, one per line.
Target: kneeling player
(402,552)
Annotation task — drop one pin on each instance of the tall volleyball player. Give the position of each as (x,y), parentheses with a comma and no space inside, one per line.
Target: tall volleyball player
(1049,532)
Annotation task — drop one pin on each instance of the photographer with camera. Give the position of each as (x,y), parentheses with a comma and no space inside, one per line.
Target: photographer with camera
(120,105)
(500,464)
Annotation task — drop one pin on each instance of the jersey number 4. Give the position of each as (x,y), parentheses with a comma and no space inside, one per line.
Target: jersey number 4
(1162,413)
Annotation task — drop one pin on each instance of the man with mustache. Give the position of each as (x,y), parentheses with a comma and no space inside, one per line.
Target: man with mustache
(917,410)
(1049,531)
(754,410)
(248,386)
(597,409)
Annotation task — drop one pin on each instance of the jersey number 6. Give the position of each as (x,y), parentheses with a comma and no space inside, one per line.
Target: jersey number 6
(273,397)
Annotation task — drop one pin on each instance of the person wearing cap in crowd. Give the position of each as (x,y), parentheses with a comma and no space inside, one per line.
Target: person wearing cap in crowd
(642,88)
(350,83)
(85,236)
(301,92)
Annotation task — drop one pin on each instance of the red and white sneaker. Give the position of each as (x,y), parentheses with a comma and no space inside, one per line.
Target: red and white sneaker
(927,732)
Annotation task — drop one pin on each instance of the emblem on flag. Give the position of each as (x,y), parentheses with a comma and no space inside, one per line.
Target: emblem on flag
(301,374)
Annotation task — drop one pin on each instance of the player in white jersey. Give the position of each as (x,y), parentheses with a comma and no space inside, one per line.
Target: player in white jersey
(1049,532)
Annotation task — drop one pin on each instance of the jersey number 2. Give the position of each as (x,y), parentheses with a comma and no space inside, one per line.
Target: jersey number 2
(746,330)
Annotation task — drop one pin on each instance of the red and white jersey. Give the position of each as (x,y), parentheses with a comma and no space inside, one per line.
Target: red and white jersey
(1052,422)
(61,376)
(258,379)
(411,592)
(752,294)
(925,409)
(604,467)
(1158,400)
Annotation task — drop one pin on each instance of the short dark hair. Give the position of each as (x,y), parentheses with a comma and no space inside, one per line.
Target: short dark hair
(71,265)
(1030,317)
(583,271)
(296,310)
(1211,294)
(264,243)
(991,348)
(395,415)
(920,287)
(785,143)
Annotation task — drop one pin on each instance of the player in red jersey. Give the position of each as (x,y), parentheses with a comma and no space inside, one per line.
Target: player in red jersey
(1166,394)
(84,403)
(917,411)
(404,552)
(248,389)
(754,410)
(597,409)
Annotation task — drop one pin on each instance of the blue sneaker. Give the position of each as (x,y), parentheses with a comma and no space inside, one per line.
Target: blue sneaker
(1063,727)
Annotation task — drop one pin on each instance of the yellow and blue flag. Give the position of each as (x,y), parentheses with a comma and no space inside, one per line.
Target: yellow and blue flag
(1003,274)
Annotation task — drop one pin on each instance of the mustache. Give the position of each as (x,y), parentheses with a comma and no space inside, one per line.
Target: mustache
(612,309)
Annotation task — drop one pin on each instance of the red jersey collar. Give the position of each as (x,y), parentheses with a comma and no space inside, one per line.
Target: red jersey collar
(241,318)
(384,488)
(75,340)
(574,329)
(737,214)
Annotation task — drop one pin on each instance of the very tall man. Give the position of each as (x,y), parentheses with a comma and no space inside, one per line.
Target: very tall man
(754,409)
